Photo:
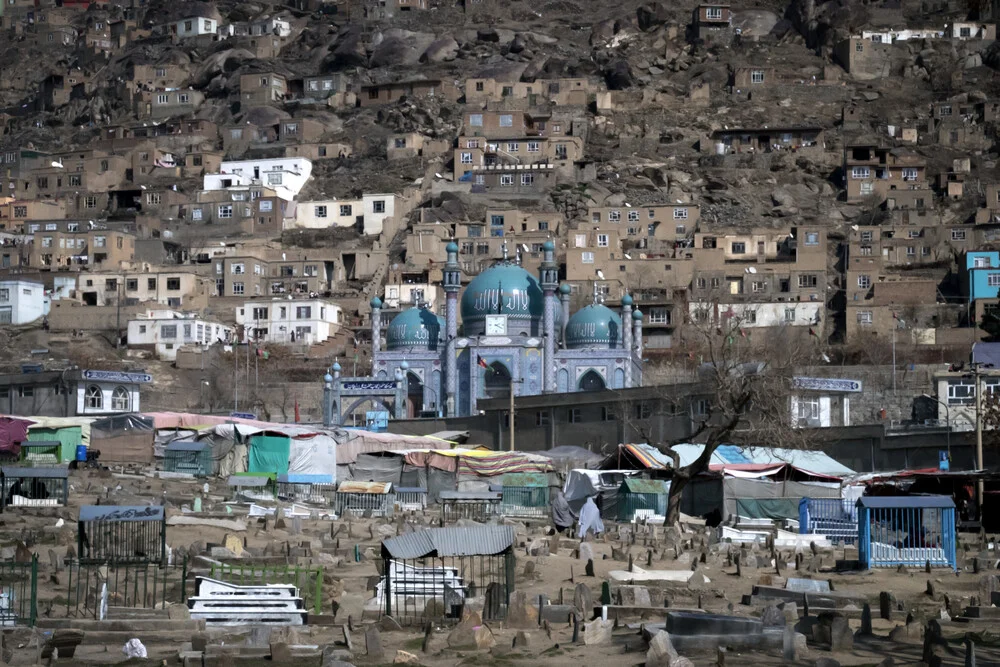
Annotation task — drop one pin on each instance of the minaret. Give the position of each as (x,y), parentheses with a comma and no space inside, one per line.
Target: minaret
(376,304)
(637,334)
(564,292)
(549,275)
(627,337)
(452,284)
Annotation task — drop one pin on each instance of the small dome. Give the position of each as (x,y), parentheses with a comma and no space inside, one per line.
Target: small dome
(548,246)
(415,328)
(565,289)
(637,315)
(328,378)
(405,365)
(451,247)
(595,325)
(336,366)
(375,302)
(626,300)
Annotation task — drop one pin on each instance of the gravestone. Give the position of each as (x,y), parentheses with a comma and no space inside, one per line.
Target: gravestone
(772,617)
(598,632)
(520,614)
(885,605)
(590,568)
(373,643)
(661,651)
(866,621)
(788,643)
(494,601)
(583,599)
(841,636)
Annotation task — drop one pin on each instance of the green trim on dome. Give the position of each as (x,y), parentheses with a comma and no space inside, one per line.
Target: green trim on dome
(504,289)
(415,327)
(595,325)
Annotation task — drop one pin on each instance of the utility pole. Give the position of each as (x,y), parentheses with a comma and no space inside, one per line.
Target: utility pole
(979,437)
(510,415)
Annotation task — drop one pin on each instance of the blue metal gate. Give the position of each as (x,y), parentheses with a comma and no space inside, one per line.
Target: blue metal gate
(906,530)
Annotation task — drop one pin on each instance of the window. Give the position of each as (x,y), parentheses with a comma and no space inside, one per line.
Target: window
(320,211)
(543,226)
(993,279)
(714,13)
(789,315)
(861,172)
(238,288)
(183,98)
(758,286)
(587,257)
(94,397)
(266,205)
(533,147)
(506,179)
(865,317)
(132,284)
(812,238)
(911,251)
(958,235)
(310,270)
(807,281)
(511,146)
(47,242)
(73,227)
(980,262)
(506,120)
(574,416)
(643,410)
(142,328)
(291,128)
(867,188)
(100,241)
(808,411)
(162,99)
(738,248)
(965,32)
(909,174)
(274,178)
(120,399)
(757,76)
(465,158)
(527,179)
(345,210)
(237,269)
(303,312)
(173,284)
(43,182)
(633,216)
(225,211)
(859,47)
(151,284)
(945,110)
(476,120)
(864,281)
(4,294)
(961,392)
(168,331)
(378,206)
(659,316)
(75,180)
(196,214)
(153,198)
(602,240)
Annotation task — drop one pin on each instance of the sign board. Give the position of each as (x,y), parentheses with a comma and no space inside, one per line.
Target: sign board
(827,384)
(117,376)
(243,415)
(377,420)
(944,462)
(372,385)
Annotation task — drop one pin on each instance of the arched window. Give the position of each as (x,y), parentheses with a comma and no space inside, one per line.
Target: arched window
(120,399)
(591,381)
(497,381)
(95,397)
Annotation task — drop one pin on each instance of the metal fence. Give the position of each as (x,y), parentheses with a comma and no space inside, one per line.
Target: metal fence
(33,487)
(308,580)
(833,518)
(122,534)
(410,499)
(438,589)
(93,585)
(525,501)
(630,503)
(907,533)
(18,593)
(319,494)
(457,505)
(377,504)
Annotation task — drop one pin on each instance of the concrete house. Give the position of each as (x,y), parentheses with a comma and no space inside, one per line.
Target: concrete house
(22,301)
(387,93)
(890,173)
(764,140)
(196,26)
(286,176)
(71,393)
(713,22)
(262,89)
(164,331)
(302,321)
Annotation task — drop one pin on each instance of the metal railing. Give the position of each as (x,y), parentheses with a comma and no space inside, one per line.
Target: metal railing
(477,510)
(319,494)
(833,518)
(18,593)
(94,585)
(357,504)
(893,536)
(308,580)
(525,501)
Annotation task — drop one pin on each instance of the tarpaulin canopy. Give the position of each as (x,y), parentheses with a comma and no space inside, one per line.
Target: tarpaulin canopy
(59,422)
(736,458)
(269,453)
(124,438)
(13,431)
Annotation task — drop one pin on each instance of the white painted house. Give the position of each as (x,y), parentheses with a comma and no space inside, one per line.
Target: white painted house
(22,301)
(286,176)
(167,330)
(369,213)
(195,26)
(405,295)
(755,315)
(304,321)
(108,392)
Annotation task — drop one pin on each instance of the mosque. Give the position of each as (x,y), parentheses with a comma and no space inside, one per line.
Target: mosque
(517,335)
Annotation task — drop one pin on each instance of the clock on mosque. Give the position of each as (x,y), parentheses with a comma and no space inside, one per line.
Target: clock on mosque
(496,325)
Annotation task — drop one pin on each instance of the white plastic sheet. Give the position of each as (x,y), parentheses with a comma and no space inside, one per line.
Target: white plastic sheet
(134,649)
(313,456)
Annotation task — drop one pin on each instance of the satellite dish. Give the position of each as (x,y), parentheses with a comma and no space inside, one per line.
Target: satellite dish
(628,256)
(854,227)
(600,274)
(627,205)
(751,269)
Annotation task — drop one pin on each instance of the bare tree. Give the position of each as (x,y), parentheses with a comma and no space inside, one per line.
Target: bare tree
(748,376)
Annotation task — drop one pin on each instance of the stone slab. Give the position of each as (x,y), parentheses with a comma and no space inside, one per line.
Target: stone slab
(680,623)
(638,574)
(808,585)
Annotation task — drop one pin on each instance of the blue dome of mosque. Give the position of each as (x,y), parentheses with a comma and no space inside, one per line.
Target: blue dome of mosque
(415,328)
(595,325)
(504,289)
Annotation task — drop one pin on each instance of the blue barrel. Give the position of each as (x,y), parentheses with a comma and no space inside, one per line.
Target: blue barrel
(81,452)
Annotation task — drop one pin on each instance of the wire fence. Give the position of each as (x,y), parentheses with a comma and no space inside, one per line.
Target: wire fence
(18,593)
(93,586)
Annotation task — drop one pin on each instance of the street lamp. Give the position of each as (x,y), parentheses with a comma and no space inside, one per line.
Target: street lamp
(947,420)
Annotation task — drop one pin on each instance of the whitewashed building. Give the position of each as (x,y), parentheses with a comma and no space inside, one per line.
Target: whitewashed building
(22,301)
(406,295)
(195,26)
(369,213)
(756,315)
(164,331)
(303,321)
(108,392)
(286,176)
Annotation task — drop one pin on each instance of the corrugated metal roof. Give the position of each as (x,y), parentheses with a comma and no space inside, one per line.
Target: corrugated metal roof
(41,443)
(410,489)
(185,446)
(899,502)
(248,480)
(526,479)
(121,513)
(443,542)
(470,495)
(365,487)
(806,460)
(635,485)
(50,473)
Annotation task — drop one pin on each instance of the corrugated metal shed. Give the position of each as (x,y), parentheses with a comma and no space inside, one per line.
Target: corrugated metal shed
(186,446)
(635,485)
(121,513)
(534,479)
(444,542)
(470,495)
(37,473)
(365,487)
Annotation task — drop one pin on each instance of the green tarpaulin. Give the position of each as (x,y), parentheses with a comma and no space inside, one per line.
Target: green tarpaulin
(768,508)
(269,453)
(68,436)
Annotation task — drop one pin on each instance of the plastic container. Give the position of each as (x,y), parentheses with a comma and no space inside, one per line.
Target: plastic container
(81,452)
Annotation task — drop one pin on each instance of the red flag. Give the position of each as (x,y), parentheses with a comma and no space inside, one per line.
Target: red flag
(743,333)
(296,411)
(482,362)
(812,332)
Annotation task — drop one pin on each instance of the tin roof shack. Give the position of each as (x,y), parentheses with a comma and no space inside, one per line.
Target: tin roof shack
(764,140)
(441,565)
(359,498)
(122,533)
(33,487)
(319,489)
(244,487)
(124,439)
(713,23)
(874,170)
(525,494)
(641,498)
(188,458)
